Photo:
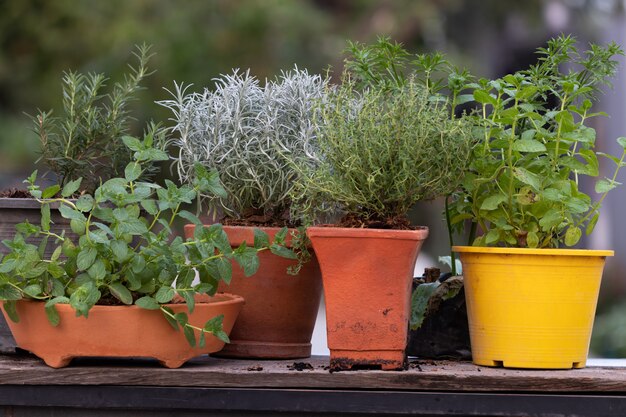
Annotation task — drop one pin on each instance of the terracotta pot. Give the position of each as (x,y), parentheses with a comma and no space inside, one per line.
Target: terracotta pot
(279,316)
(367,276)
(12,212)
(118,331)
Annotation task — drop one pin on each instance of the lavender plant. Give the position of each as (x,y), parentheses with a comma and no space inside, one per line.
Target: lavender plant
(254,136)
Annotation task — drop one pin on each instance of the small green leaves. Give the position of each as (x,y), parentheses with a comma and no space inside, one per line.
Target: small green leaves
(572,236)
(605,185)
(119,291)
(419,303)
(132,171)
(247,258)
(215,327)
(165,295)
(261,239)
(147,302)
(9,307)
(492,202)
(70,188)
(50,191)
(86,258)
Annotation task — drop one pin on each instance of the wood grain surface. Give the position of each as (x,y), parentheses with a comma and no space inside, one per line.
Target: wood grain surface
(422,375)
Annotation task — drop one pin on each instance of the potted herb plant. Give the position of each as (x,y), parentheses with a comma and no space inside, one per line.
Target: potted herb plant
(85,141)
(438,315)
(124,273)
(531,303)
(249,133)
(380,151)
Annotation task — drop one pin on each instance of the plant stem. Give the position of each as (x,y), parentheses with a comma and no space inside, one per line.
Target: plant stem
(450,238)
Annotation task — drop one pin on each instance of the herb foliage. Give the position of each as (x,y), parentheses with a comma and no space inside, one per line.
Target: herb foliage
(125,253)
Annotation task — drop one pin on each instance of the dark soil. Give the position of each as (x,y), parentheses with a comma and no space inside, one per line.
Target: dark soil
(15,193)
(260,218)
(300,366)
(372,222)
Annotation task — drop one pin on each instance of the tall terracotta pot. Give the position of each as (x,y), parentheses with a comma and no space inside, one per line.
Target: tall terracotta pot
(278,318)
(367,276)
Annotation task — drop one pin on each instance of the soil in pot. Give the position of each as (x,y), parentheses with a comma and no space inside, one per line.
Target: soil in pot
(119,331)
(367,276)
(278,318)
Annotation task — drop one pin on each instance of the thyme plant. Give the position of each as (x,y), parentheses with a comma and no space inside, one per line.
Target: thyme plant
(125,253)
(523,185)
(254,136)
(380,152)
(86,140)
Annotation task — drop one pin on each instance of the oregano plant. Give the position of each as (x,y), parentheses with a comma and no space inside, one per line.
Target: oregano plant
(523,187)
(125,253)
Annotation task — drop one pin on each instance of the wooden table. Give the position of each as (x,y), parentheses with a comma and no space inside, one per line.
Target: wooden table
(220,387)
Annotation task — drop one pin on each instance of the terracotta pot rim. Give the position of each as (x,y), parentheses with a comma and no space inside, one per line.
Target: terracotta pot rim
(240,233)
(530,251)
(421,233)
(219,299)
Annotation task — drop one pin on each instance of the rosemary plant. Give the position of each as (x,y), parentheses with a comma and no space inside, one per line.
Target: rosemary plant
(380,152)
(86,140)
(254,136)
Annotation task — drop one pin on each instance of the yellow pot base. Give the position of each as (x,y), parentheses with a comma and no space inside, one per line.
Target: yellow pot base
(529,365)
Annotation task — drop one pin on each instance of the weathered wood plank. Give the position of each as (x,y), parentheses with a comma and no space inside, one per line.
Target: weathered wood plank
(223,373)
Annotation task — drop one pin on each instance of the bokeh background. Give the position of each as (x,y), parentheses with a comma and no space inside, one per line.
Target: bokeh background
(195,40)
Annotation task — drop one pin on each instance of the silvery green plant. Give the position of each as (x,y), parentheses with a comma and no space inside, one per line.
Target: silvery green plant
(255,136)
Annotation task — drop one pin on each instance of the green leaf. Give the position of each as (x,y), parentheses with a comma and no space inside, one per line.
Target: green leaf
(225,269)
(190,217)
(261,239)
(282,251)
(56,254)
(147,303)
(592,224)
(53,315)
(86,258)
(132,171)
(532,240)
(572,236)
(70,188)
(622,142)
(527,177)
(165,295)
(9,307)
(132,143)
(190,335)
(69,213)
(45,217)
(119,291)
(32,290)
(484,97)
(247,258)
(84,203)
(120,250)
(605,185)
(57,300)
(551,219)
(492,202)
(149,206)
(215,326)
(51,191)
(202,341)
(528,145)
(419,303)
(97,270)
(171,320)
(78,226)
(492,236)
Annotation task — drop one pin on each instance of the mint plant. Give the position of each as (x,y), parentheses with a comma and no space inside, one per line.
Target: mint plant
(125,253)
(523,185)
(86,139)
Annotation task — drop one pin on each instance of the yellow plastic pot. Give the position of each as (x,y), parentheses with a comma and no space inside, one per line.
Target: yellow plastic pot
(531,308)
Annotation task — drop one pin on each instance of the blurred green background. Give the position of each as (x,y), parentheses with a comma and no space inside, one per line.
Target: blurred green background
(195,40)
